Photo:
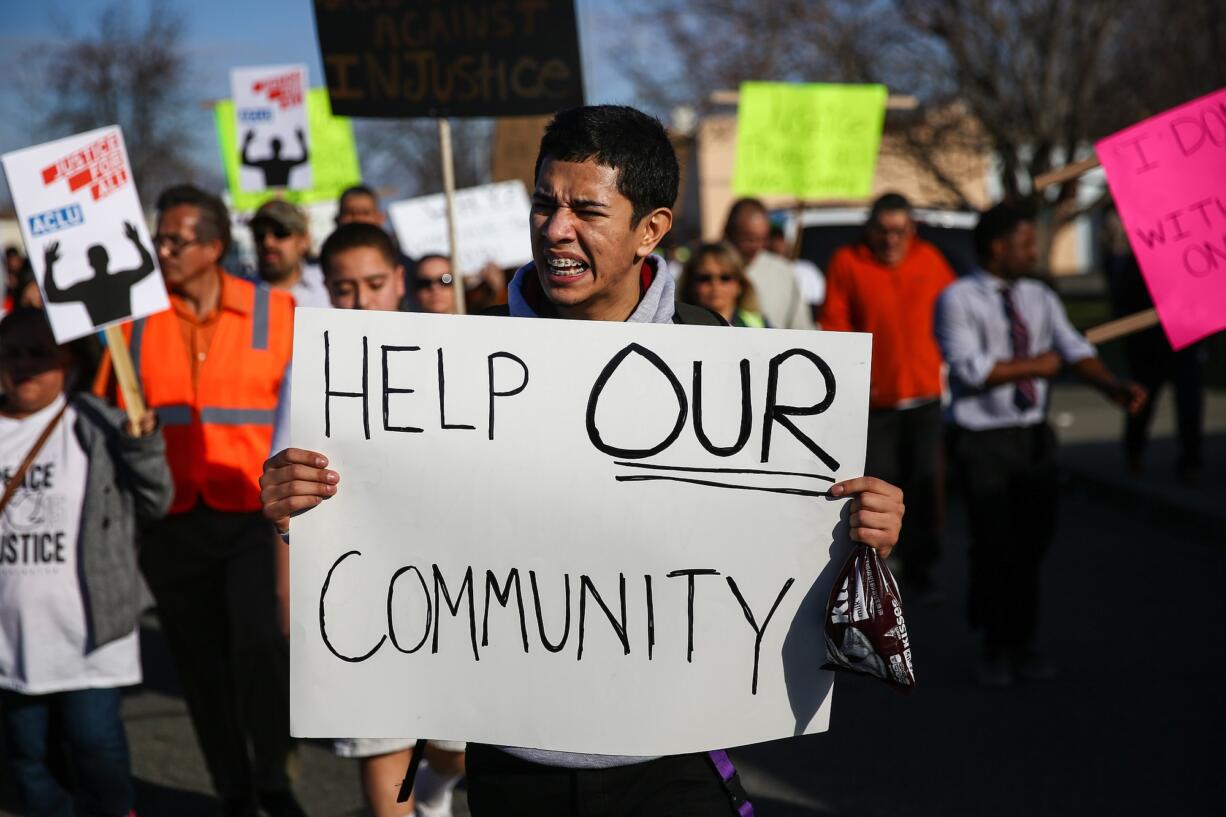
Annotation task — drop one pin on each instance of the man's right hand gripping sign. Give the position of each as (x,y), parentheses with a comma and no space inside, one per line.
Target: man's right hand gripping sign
(295,480)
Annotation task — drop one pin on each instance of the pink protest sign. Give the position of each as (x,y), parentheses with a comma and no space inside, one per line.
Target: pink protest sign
(1168,177)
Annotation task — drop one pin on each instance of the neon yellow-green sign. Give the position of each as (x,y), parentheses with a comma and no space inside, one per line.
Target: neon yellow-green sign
(811,141)
(334,158)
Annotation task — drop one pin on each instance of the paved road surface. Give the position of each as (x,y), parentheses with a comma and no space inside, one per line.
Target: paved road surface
(1133,614)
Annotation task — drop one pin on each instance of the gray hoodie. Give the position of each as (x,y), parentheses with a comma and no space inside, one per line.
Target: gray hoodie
(128,483)
(656,306)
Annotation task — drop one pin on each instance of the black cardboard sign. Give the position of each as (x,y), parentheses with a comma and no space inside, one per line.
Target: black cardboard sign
(407,58)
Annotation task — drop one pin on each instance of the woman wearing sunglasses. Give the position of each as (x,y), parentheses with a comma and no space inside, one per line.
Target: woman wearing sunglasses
(714,277)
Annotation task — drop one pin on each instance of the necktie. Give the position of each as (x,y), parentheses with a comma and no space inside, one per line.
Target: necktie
(1025,392)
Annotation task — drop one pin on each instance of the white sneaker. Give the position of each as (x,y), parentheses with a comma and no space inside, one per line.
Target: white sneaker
(433,792)
(437,806)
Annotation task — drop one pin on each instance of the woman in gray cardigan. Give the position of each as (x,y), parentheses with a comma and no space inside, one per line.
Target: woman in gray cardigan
(70,591)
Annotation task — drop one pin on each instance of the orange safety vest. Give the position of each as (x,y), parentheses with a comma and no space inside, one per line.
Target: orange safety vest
(218,434)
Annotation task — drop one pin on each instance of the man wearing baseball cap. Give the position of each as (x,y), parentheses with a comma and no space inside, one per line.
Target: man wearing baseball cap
(282,242)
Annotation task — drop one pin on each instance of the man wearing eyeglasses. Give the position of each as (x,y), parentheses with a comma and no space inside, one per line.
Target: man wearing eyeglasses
(888,285)
(211,367)
(281,246)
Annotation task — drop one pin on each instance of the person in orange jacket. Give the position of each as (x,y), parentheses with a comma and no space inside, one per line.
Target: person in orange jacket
(888,285)
(211,367)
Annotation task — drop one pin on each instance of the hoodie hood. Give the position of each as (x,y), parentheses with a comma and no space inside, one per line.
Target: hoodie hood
(655,306)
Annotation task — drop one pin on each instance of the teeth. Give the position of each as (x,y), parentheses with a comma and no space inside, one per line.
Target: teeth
(566,266)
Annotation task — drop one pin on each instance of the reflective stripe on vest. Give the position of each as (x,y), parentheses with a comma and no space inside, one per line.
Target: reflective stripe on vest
(259,319)
(175,414)
(217,424)
(138,331)
(214,415)
(259,328)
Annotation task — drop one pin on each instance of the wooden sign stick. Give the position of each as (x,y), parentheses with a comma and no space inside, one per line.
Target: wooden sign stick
(444,141)
(125,373)
(1064,174)
(798,212)
(1120,327)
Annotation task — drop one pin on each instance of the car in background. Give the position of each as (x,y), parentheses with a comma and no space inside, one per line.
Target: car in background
(824,229)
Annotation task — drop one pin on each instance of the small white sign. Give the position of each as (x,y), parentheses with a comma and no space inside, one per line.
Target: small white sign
(85,232)
(569,535)
(273,136)
(491,225)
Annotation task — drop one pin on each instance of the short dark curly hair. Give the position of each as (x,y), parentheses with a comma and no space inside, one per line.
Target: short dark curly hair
(352,236)
(999,222)
(625,139)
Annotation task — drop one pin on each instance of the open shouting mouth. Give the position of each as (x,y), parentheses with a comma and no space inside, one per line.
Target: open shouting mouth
(565,267)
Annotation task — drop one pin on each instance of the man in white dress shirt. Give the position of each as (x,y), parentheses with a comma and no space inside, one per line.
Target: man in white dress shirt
(1004,336)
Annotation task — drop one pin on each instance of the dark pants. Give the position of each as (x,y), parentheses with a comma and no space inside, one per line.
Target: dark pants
(1152,363)
(1008,477)
(500,785)
(213,575)
(92,734)
(904,448)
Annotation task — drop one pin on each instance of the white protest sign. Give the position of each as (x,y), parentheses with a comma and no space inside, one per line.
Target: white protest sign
(583,536)
(491,225)
(85,232)
(273,137)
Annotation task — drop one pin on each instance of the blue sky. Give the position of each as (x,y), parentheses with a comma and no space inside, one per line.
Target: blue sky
(222,34)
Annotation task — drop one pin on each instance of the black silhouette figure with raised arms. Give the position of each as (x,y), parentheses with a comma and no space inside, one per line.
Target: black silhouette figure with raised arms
(276,170)
(107,296)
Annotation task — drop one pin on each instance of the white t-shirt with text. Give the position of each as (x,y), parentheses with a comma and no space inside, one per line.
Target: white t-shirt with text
(43,636)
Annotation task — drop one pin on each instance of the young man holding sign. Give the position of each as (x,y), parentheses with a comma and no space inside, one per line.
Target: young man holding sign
(606,181)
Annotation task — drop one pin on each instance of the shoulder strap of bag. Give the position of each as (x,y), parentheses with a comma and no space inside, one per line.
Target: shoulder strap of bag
(11,487)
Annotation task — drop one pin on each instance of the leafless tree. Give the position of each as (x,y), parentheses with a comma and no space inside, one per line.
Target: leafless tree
(128,66)
(1038,79)
(402,157)
(1166,52)
(1044,78)
(693,47)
